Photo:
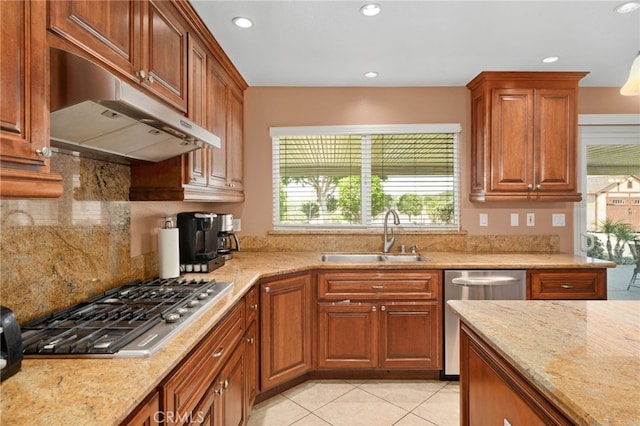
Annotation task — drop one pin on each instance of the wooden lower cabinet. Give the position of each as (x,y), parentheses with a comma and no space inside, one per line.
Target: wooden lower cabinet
(567,284)
(286,318)
(365,335)
(388,320)
(492,392)
(211,367)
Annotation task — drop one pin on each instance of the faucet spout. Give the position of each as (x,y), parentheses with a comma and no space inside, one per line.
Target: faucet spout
(388,242)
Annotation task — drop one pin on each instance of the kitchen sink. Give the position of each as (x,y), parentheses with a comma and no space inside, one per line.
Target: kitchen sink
(372,258)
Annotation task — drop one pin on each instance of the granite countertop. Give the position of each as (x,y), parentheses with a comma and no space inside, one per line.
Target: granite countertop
(583,355)
(104,391)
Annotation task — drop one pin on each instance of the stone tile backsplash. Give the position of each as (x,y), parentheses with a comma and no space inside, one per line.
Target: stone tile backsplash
(57,252)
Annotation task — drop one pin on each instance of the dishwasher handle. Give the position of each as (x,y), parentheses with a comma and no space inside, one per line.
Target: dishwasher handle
(484,281)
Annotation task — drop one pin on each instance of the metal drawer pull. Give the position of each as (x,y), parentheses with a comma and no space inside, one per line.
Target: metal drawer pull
(383,308)
(373,309)
(377,287)
(250,340)
(218,354)
(567,286)
(267,289)
(254,307)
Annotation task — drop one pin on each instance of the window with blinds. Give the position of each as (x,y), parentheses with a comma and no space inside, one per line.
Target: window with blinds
(331,177)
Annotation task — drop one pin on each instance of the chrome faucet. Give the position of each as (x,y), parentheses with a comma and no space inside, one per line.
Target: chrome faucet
(388,243)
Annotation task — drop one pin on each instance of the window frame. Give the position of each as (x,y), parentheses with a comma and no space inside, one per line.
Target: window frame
(362,131)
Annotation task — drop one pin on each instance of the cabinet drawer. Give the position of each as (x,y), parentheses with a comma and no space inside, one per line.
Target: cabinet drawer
(251,300)
(568,284)
(413,284)
(188,384)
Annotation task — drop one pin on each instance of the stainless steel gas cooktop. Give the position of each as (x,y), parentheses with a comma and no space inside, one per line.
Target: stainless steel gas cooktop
(131,321)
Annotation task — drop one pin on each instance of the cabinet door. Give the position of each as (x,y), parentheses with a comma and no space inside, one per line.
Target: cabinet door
(196,160)
(286,317)
(147,414)
(231,384)
(110,32)
(217,119)
(411,335)
(347,335)
(24,115)
(235,137)
(555,140)
(511,148)
(164,53)
(252,365)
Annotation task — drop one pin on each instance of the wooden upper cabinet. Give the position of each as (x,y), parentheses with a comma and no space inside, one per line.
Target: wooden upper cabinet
(24,112)
(145,41)
(110,32)
(524,136)
(164,53)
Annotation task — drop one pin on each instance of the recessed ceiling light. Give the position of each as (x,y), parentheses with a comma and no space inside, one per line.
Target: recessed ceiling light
(550,59)
(627,7)
(242,22)
(370,9)
(371,74)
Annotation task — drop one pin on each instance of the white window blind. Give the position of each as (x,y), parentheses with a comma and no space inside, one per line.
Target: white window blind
(349,177)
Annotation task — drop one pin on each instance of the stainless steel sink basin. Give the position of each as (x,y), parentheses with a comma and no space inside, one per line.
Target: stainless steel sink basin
(372,258)
(405,258)
(352,258)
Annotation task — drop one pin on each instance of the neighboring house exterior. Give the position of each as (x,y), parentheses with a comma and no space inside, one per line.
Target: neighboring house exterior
(614,197)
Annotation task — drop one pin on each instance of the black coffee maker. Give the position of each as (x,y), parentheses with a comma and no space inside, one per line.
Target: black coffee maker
(198,242)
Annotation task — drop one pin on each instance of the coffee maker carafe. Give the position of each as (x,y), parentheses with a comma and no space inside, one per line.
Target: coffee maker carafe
(198,242)
(227,240)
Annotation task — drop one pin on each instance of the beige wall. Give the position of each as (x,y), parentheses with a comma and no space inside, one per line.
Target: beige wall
(295,106)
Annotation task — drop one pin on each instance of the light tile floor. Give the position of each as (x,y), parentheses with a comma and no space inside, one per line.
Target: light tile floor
(362,402)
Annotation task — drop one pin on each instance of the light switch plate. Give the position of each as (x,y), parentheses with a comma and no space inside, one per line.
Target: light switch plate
(515,218)
(237,223)
(484,219)
(531,219)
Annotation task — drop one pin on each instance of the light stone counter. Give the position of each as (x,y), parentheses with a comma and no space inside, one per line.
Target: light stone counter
(103,391)
(583,355)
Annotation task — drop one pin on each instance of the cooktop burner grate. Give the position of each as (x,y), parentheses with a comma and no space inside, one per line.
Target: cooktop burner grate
(130,321)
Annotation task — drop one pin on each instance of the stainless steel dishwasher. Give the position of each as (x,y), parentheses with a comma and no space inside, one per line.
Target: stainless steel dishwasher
(475,285)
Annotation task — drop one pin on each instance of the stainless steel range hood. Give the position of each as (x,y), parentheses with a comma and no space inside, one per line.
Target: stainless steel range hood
(92,109)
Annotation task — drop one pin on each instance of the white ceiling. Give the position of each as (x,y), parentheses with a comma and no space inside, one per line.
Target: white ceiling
(422,43)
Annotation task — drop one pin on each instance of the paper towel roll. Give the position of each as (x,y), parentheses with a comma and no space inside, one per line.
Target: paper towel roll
(168,253)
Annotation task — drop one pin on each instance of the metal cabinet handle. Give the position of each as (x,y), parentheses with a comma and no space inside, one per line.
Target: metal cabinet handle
(267,289)
(225,384)
(218,354)
(377,287)
(530,187)
(568,286)
(383,308)
(150,79)
(141,74)
(538,187)
(250,340)
(254,307)
(373,309)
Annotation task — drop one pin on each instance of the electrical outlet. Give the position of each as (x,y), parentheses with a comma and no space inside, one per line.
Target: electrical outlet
(531,219)
(515,218)
(237,223)
(557,219)
(484,219)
